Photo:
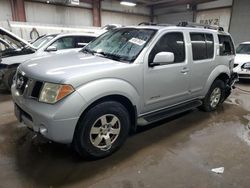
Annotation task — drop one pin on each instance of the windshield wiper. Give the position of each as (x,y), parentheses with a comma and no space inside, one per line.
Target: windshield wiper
(111,56)
(88,51)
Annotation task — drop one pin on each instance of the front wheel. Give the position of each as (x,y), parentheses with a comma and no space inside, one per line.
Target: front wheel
(214,97)
(102,130)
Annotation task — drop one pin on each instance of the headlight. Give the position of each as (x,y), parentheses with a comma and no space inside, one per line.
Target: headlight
(246,66)
(51,93)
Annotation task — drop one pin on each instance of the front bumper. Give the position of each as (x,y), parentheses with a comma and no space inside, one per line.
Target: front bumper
(243,73)
(56,122)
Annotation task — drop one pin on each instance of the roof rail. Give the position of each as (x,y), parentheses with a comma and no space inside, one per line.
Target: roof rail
(155,24)
(205,26)
(147,23)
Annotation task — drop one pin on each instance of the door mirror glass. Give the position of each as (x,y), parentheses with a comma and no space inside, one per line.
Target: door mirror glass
(51,49)
(163,58)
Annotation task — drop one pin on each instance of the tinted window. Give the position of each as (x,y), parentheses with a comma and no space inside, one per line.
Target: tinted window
(226,45)
(198,46)
(170,42)
(202,46)
(82,41)
(64,43)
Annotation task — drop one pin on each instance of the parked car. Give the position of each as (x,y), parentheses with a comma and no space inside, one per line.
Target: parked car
(125,78)
(242,60)
(46,45)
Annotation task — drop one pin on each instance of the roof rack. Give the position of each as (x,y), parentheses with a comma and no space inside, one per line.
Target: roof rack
(205,26)
(147,23)
(154,24)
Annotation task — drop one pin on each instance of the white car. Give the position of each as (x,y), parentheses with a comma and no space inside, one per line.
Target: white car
(22,51)
(242,60)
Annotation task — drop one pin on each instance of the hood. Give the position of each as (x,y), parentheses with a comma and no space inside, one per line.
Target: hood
(4,32)
(17,46)
(241,58)
(69,67)
(17,59)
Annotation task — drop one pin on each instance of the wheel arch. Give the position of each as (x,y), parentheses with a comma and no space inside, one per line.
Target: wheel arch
(221,72)
(127,103)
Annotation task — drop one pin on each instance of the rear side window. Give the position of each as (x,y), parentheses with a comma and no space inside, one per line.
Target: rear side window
(82,41)
(170,42)
(202,46)
(226,45)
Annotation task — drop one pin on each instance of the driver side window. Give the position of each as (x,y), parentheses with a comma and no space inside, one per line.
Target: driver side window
(170,42)
(64,43)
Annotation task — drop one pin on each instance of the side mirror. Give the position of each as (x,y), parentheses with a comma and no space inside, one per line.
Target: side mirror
(51,49)
(162,58)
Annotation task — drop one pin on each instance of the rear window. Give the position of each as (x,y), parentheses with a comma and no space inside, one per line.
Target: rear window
(202,46)
(226,45)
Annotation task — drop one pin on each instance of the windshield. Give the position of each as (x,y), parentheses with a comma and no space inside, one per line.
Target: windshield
(243,49)
(123,44)
(42,41)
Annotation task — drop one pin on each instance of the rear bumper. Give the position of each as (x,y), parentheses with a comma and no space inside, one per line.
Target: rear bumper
(230,84)
(243,73)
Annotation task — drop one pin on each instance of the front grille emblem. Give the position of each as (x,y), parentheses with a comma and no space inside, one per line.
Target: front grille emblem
(19,82)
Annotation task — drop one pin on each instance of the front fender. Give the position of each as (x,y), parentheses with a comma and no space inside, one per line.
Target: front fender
(220,69)
(98,89)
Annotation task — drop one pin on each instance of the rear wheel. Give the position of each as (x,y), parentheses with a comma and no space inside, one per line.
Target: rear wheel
(214,97)
(102,130)
(8,78)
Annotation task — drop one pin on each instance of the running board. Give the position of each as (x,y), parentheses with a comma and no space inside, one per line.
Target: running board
(166,113)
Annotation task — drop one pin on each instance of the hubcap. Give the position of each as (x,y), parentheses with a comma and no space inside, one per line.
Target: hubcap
(105,131)
(215,97)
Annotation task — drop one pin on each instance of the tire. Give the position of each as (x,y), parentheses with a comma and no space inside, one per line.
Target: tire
(8,78)
(97,125)
(213,98)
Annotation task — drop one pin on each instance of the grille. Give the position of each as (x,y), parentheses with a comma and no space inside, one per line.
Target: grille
(29,87)
(36,89)
(21,83)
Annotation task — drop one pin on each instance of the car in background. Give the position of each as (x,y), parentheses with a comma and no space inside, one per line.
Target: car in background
(242,60)
(19,50)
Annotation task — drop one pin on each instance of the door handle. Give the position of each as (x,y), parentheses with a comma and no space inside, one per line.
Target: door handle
(185,70)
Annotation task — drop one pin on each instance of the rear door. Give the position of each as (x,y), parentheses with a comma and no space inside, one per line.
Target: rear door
(202,58)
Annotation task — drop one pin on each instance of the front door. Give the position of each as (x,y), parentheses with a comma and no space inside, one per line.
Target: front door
(167,84)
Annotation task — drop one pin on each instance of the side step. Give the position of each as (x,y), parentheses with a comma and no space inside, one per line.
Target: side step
(166,113)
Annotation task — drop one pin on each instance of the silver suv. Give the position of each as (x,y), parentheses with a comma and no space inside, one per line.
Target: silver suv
(127,77)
